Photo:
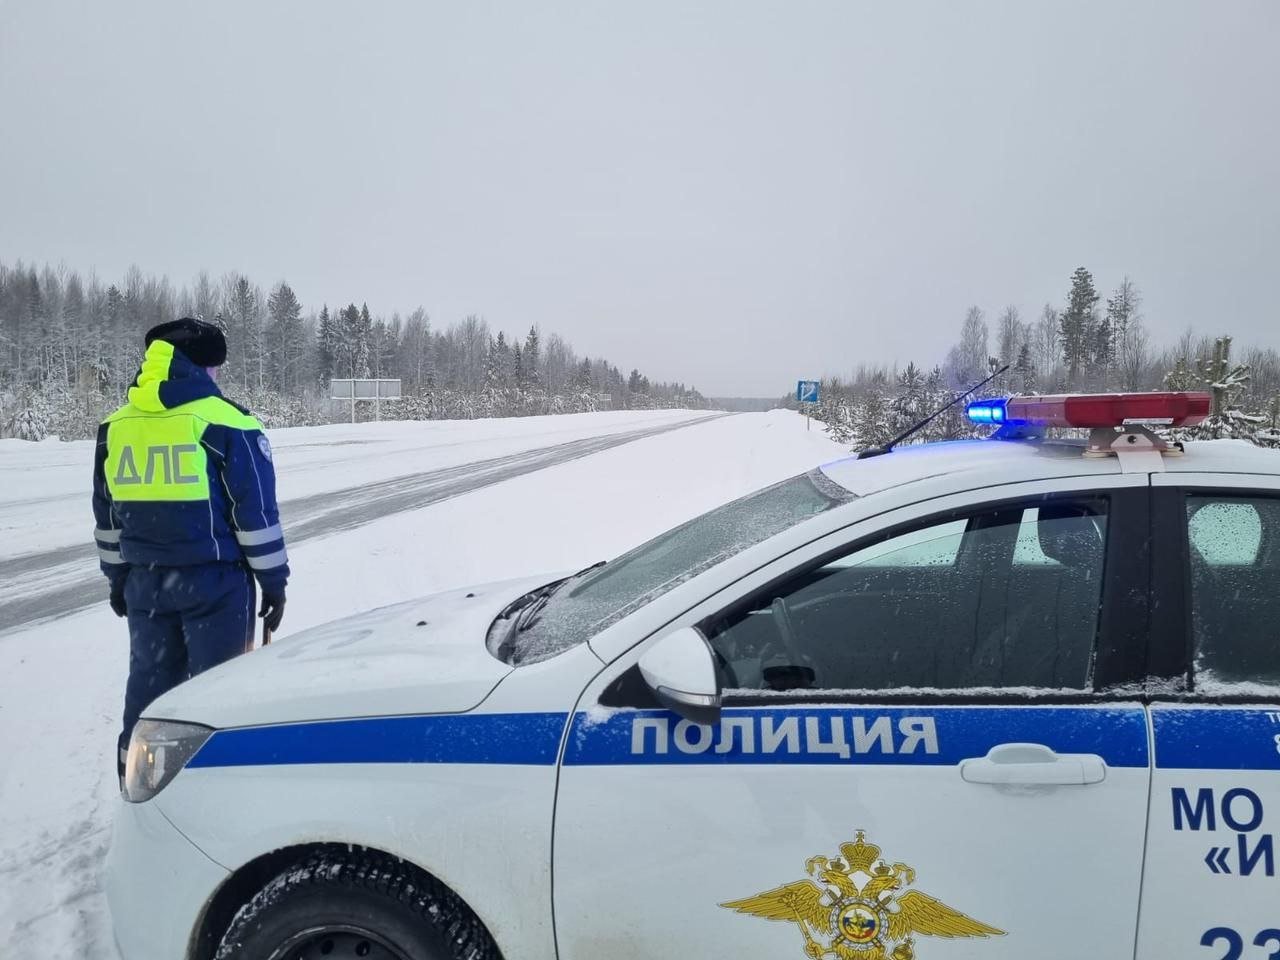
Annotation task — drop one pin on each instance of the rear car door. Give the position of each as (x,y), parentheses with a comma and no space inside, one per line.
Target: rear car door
(1210,887)
(918,755)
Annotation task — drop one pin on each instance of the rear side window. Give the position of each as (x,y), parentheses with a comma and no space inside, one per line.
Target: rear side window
(1006,598)
(1235,591)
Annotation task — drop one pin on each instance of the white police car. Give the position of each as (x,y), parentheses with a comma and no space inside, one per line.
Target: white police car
(971,700)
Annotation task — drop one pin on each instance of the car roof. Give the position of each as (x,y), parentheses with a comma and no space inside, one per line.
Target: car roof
(982,462)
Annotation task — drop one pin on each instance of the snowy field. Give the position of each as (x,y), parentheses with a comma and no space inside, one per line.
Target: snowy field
(389,511)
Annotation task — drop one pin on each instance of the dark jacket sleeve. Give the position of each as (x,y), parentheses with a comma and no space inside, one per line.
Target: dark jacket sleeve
(249,478)
(106,524)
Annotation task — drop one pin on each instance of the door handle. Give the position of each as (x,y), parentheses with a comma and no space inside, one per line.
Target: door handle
(1033,763)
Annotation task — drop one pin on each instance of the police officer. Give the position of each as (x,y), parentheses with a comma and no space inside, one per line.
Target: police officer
(185,504)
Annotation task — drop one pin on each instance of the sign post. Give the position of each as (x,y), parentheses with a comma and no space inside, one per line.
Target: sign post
(357,391)
(807,393)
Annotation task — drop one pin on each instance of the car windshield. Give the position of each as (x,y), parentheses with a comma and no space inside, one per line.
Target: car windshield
(601,596)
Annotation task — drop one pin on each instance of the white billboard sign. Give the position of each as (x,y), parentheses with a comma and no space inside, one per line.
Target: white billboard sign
(365,390)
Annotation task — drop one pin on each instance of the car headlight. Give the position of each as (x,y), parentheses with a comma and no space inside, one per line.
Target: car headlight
(157,751)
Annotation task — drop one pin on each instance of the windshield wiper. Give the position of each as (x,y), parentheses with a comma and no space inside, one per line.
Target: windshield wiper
(529,615)
(524,609)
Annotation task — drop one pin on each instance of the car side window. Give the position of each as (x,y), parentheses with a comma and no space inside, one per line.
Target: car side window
(1002,598)
(1235,605)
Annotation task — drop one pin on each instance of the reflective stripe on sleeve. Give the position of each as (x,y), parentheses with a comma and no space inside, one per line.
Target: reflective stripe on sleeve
(109,556)
(256,538)
(107,536)
(269,562)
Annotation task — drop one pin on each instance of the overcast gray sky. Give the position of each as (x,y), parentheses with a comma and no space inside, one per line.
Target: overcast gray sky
(731,194)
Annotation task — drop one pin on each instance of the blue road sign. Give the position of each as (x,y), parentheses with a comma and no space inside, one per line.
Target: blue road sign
(807,391)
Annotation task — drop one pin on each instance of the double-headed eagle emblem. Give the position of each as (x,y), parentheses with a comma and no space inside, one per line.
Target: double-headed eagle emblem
(856,908)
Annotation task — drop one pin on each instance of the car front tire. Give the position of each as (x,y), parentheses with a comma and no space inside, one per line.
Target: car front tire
(361,905)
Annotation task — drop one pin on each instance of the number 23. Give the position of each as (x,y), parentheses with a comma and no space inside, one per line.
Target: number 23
(1235,942)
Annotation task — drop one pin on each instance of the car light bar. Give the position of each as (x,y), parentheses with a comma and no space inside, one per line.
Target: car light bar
(1093,410)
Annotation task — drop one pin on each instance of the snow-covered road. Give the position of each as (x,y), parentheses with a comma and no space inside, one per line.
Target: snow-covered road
(49,583)
(547,493)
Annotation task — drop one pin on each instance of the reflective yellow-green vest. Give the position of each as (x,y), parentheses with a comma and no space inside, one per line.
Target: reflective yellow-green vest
(183,476)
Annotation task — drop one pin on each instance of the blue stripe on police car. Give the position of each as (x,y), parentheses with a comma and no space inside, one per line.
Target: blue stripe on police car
(1235,738)
(890,735)
(909,736)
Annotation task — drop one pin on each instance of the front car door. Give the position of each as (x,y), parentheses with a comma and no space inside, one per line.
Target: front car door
(1210,887)
(915,756)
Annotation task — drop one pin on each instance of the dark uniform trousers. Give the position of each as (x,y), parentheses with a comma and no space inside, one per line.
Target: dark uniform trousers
(182,622)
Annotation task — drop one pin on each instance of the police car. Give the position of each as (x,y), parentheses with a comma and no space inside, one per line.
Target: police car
(1013,698)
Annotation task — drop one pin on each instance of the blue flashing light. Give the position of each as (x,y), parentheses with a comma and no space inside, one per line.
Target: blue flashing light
(987,411)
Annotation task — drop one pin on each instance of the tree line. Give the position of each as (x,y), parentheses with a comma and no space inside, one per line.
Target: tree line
(1082,345)
(70,345)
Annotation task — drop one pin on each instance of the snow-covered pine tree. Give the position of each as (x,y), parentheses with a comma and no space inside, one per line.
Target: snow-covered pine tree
(378,352)
(121,373)
(285,341)
(1024,371)
(389,362)
(352,355)
(29,419)
(951,424)
(1104,352)
(832,409)
(328,347)
(910,402)
(516,391)
(872,413)
(1122,309)
(493,399)
(533,385)
(496,363)
(1180,377)
(1076,324)
(243,310)
(348,330)
(361,345)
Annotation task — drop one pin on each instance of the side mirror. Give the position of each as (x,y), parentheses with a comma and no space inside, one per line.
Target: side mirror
(680,669)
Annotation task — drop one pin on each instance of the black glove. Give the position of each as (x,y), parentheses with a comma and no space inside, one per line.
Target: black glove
(117,600)
(272,611)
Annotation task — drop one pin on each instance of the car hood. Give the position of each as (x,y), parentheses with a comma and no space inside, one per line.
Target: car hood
(422,656)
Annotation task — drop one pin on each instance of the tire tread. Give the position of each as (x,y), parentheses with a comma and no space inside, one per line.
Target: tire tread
(464,936)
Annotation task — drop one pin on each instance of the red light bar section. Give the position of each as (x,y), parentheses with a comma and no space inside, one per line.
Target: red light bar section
(1109,409)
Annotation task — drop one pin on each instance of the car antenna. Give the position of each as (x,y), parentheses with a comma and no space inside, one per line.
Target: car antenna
(877,451)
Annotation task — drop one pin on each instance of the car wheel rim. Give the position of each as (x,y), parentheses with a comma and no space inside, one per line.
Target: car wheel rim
(338,942)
